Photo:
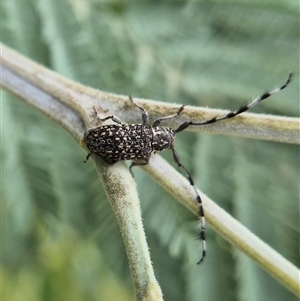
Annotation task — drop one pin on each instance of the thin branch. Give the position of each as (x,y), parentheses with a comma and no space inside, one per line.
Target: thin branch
(121,191)
(81,99)
(232,230)
(43,101)
(42,87)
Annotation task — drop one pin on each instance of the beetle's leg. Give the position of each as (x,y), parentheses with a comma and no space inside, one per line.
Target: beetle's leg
(158,121)
(87,157)
(137,164)
(145,114)
(112,117)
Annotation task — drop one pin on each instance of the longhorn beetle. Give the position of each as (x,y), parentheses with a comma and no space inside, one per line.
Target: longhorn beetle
(121,142)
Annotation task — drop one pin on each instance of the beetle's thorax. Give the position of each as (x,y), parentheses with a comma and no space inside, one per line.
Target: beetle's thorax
(163,138)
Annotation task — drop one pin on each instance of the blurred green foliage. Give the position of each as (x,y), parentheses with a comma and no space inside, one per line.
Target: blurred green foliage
(59,241)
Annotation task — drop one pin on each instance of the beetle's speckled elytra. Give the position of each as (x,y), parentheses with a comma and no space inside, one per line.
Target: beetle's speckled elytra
(121,142)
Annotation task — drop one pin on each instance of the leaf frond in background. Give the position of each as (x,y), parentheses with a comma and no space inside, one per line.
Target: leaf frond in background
(201,53)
